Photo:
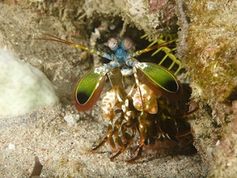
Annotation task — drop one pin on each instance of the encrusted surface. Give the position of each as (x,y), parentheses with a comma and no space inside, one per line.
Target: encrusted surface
(211,61)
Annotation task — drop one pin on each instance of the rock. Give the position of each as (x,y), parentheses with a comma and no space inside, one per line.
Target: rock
(71,119)
(23,88)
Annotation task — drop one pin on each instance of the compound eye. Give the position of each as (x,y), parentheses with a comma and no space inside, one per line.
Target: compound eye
(113,43)
(127,44)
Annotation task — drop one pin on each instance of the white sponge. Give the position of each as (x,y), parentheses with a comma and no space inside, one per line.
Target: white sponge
(23,88)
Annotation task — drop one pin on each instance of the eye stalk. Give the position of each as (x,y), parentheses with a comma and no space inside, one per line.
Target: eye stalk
(127,44)
(112,44)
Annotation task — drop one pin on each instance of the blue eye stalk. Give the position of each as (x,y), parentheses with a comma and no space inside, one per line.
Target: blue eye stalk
(144,110)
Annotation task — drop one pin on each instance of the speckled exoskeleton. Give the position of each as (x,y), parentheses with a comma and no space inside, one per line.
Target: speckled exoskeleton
(149,110)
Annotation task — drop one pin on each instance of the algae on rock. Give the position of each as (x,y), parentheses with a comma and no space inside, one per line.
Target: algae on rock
(211,60)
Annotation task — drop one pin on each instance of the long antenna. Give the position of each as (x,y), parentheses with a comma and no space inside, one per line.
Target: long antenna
(75,45)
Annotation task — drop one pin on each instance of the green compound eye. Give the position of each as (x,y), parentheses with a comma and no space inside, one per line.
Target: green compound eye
(88,90)
(157,77)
